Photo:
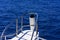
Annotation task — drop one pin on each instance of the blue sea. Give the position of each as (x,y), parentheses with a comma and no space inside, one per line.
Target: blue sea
(48,16)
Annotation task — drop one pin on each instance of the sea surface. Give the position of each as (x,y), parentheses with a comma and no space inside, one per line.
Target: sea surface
(48,16)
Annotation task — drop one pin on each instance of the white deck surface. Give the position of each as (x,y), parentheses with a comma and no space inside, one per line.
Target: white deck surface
(25,35)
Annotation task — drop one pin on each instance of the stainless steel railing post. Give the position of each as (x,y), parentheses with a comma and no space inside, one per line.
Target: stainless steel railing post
(16,27)
(5,37)
(21,23)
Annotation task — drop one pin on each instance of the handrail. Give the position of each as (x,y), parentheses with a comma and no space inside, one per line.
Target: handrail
(2,35)
(22,23)
(16,27)
(6,28)
(14,33)
(5,37)
(9,26)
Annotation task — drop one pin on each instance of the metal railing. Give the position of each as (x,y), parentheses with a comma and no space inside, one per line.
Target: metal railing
(2,35)
(20,30)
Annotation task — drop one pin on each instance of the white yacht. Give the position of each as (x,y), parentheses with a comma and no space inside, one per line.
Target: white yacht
(31,34)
